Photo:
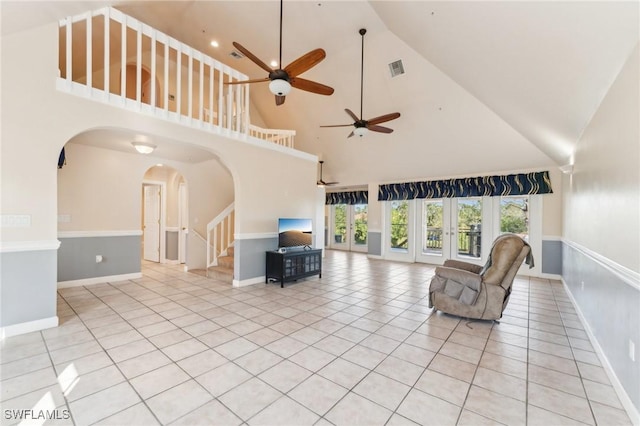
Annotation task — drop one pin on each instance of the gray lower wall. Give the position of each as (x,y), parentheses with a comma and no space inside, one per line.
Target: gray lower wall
(77,257)
(374,243)
(28,290)
(611,307)
(171,245)
(250,257)
(551,261)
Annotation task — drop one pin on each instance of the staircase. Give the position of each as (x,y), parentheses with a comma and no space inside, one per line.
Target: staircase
(224,270)
(220,245)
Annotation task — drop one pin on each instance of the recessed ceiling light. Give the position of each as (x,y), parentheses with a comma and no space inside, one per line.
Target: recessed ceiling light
(274,63)
(214,43)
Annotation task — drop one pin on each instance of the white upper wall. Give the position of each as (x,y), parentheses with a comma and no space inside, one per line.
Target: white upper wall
(37,121)
(602,196)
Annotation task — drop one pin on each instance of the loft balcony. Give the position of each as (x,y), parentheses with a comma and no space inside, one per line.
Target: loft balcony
(109,57)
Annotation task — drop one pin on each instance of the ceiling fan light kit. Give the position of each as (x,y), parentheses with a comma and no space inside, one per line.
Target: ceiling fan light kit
(360,131)
(362,126)
(281,80)
(280,87)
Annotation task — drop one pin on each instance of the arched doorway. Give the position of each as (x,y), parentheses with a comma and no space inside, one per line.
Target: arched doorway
(145,91)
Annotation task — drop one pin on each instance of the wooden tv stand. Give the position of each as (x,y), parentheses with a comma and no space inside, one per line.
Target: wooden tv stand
(293,265)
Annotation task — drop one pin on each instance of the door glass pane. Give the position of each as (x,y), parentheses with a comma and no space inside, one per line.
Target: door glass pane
(469,227)
(340,223)
(514,216)
(360,224)
(432,227)
(400,225)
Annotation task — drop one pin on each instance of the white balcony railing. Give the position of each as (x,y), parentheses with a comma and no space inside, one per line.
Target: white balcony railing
(110,57)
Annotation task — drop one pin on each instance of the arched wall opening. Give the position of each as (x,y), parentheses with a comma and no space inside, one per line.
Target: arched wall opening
(102,196)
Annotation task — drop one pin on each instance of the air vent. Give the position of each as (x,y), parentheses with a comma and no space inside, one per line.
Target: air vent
(236,54)
(396,68)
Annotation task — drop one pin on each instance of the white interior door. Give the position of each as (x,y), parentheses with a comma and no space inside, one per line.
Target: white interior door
(151,223)
(183,222)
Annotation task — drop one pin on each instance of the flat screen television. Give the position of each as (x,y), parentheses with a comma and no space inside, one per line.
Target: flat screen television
(294,232)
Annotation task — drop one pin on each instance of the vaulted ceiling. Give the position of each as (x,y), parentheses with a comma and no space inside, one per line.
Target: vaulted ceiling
(488,86)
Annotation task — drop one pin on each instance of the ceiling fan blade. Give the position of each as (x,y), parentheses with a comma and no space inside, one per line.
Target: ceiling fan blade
(251,56)
(339,125)
(305,62)
(379,129)
(384,118)
(351,114)
(350,134)
(279,100)
(257,80)
(311,86)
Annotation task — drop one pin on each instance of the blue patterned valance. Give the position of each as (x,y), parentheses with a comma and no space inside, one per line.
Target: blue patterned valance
(491,186)
(351,197)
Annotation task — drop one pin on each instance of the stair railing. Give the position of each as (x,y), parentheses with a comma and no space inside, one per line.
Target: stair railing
(220,235)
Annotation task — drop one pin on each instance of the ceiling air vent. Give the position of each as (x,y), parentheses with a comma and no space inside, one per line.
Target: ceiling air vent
(235,54)
(396,68)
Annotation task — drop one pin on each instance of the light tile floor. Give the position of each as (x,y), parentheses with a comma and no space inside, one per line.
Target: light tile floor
(358,347)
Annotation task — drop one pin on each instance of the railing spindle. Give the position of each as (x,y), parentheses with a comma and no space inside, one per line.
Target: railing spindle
(69,47)
(123,60)
(89,59)
(190,86)
(166,77)
(139,64)
(107,49)
(201,91)
(153,69)
(179,80)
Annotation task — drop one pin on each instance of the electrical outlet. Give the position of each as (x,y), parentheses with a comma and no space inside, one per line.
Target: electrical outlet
(632,350)
(99,258)
(582,285)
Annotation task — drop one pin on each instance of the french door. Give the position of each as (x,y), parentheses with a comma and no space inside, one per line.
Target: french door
(349,227)
(435,230)
(451,228)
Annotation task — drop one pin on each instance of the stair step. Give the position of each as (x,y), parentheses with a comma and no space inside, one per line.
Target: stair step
(226,261)
(221,273)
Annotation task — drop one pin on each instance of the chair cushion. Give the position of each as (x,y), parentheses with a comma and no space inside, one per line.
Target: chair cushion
(503,253)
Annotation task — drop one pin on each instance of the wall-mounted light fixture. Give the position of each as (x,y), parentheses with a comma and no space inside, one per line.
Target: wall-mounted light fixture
(567,169)
(143,147)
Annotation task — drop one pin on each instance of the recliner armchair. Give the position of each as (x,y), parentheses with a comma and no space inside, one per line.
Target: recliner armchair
(473,291)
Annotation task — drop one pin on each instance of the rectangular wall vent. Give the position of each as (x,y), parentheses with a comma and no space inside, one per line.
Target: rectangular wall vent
(396,68)
(236,54)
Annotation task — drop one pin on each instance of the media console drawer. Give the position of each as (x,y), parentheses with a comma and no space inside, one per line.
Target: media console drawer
(293,265)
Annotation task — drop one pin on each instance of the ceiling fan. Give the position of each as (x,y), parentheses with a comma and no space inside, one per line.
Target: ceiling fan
(281,80)
(363,126)
(322,182)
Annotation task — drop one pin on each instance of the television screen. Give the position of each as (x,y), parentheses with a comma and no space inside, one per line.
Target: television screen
(294,232)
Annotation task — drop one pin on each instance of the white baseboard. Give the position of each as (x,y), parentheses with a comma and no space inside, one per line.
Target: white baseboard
(99,280)
(250,281)
(28,327)
(631,410)
(172,262)
(550,276)
(374,256)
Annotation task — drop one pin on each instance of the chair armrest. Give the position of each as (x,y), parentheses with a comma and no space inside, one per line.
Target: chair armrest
(466,278)
(465,266)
